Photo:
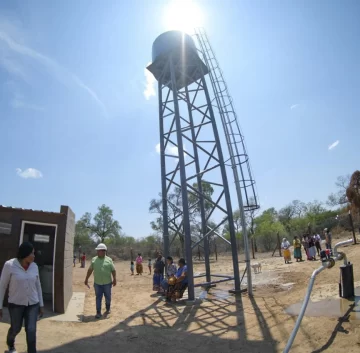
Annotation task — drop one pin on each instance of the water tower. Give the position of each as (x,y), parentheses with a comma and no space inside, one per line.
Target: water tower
(192,159)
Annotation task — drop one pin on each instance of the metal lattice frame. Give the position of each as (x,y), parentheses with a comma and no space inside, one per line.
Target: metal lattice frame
(184,115)
(239,160)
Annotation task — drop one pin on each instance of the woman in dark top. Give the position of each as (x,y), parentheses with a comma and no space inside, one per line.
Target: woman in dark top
(312,248)
(159,267)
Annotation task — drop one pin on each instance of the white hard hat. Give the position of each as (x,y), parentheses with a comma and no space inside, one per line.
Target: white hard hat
(101,246)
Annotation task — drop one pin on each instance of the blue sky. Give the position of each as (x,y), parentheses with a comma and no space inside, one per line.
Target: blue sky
(72,104)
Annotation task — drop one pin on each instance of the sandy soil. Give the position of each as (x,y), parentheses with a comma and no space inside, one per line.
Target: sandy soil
(141,322)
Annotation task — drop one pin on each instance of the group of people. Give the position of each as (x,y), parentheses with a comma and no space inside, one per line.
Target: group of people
(173,284)
(139,266)
(82,260)
(310,243)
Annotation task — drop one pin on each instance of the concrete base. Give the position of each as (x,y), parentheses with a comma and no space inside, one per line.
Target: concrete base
(74,312)
(193,302)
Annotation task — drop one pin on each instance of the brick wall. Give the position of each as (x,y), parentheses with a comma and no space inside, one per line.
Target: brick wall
(68,254)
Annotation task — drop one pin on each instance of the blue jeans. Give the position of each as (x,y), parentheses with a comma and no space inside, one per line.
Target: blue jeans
(100,291)
(18,314)
(164,284)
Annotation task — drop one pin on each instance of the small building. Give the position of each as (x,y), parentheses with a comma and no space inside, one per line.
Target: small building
(52,235)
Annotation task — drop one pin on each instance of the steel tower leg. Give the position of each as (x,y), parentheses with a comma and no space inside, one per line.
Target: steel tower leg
(184,192)
(163,178)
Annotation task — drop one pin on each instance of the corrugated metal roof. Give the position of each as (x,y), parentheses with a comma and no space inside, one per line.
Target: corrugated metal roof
(10,208)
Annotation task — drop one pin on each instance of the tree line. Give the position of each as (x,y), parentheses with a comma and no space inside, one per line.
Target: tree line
(296,218)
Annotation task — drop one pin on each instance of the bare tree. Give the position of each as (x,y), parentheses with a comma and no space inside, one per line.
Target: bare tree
(353,191)
(339,198)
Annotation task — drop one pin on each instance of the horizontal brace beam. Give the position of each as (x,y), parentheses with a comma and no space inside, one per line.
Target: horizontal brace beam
(206,284)
(203,172)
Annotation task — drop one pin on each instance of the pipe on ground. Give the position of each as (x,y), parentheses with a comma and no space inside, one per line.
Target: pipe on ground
(338,256)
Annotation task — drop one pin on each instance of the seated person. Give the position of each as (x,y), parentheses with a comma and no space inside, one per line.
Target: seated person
(170,272)
(177,290)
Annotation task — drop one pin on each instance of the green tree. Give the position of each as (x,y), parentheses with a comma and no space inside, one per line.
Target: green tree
(267,226)
(175,212)
(290,214)
(193,197)
(82,235)
(102,226)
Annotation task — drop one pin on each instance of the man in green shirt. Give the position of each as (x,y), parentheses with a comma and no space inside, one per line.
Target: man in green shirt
(103,268)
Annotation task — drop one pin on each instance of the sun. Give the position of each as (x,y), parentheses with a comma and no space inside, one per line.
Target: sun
(182,15)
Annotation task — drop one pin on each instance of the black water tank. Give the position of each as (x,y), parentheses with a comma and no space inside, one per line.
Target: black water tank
(171,40)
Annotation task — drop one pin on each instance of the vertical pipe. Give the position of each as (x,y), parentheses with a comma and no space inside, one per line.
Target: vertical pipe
(226,191)
(245,235)
(183,183)
(200,189)
(303,309)
(163,175)
(252,248)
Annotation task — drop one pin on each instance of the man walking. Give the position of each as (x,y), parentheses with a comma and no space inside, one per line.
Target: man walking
(103,268)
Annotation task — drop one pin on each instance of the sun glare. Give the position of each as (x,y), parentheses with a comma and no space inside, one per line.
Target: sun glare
(182,15)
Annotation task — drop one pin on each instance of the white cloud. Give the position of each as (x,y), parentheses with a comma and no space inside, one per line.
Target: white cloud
(149,90)
(30,173)
(333,145)
(54,68)
(294,106)
(173,150)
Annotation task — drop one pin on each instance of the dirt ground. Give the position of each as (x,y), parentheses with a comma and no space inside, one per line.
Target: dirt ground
(141,322)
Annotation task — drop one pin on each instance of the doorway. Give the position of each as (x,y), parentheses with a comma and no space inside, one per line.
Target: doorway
(43,237)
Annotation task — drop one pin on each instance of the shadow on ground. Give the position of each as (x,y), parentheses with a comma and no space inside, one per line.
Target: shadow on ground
(218,325)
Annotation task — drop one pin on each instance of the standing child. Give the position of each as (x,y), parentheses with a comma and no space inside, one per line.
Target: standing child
(83,259)
(132,268)
(149,266)
(74,260)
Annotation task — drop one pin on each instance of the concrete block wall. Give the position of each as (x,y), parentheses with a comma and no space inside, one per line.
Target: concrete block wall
(68,254)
